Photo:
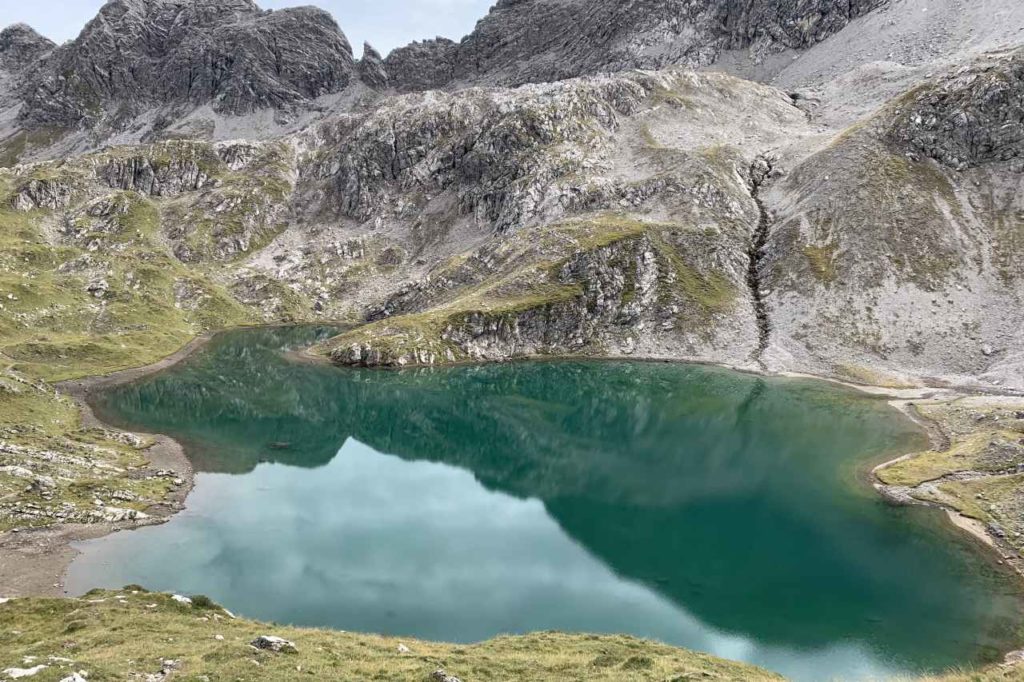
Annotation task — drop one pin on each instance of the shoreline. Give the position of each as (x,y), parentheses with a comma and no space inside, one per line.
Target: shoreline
(899,495)
(41,558)
(36,561)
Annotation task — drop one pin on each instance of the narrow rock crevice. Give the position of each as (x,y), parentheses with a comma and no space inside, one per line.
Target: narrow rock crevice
(759,172)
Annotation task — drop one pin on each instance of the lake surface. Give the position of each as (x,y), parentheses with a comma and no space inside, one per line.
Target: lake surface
(701,507)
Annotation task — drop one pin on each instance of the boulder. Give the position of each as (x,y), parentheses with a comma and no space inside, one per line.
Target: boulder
(440,675)
(273,643)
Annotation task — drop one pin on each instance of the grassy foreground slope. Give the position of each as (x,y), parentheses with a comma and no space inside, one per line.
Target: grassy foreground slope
(137,635)
(132,634)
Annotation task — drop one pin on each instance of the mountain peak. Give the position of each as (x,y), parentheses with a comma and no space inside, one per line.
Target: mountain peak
(140,54)
(20,45)
(523,41)
(371,68)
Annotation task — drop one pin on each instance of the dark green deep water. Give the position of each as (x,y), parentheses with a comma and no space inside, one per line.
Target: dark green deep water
(698,506)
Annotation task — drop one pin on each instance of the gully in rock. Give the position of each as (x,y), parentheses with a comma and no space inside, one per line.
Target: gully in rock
(759,172)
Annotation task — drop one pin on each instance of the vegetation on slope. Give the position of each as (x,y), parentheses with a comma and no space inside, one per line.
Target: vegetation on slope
(90,284)
(133,633)
(980,473)
(572,287)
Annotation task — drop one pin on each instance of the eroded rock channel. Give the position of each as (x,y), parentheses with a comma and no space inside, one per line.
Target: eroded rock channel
(759,173)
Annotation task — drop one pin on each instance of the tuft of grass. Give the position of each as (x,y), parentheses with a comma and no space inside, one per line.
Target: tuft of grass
(822,261)
(648,137)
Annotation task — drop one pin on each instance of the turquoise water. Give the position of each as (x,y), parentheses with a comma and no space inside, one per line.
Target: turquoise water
(698,506)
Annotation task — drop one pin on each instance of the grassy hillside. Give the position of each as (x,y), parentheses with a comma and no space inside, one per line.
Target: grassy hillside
(132,634)
(90,283)
(121,635)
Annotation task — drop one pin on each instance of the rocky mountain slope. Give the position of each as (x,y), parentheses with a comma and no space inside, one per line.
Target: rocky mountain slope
(524,41)
(665,214)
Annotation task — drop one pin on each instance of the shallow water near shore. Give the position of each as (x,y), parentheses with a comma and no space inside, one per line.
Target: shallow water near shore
(698,506)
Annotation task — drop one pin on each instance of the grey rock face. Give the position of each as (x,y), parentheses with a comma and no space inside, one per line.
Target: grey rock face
(523,41)
(139,54)
(969,118)
(21,46)
(51,193)
(497,152)
(162,171)
(371,68)
(423,65)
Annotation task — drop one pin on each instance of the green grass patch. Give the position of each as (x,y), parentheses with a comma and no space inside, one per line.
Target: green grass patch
(128,633)
(822,261)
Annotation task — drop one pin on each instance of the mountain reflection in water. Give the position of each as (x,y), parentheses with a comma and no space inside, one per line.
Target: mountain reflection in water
(703,507)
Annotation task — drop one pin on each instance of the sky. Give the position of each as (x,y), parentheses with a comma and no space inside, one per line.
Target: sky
(387,24)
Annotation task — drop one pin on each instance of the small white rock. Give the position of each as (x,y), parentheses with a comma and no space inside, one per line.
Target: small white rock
(16,673)
(181,600)
(74,677)
(403,649)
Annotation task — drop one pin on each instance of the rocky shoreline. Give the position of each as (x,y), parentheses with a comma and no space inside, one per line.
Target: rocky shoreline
(991,535)
(35,561)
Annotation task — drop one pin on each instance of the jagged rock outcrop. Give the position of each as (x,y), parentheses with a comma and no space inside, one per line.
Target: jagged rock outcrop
(140,54)
(423,64)
(499,153)
(522,41)
(598,295)
(968,118)
(371,68)
(162,170)
(21,46)
(43,192)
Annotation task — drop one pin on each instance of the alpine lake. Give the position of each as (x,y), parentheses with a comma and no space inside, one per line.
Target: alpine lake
(702,507)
